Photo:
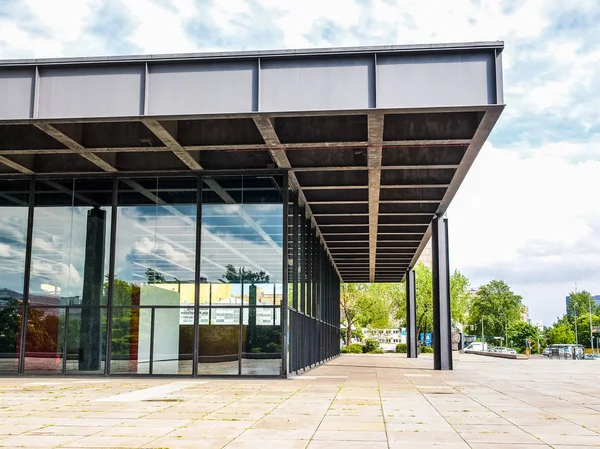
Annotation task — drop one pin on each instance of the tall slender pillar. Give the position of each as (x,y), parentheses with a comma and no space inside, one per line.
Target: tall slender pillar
(90,334)
(411,316)
(442,327)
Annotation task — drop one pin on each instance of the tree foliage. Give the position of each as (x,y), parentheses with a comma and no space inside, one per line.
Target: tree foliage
(561,333)
(498,306)
(580,303)
(361,308)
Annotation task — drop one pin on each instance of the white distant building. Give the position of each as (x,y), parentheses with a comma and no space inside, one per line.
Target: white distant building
(426,255)
(538,324)
(387,338)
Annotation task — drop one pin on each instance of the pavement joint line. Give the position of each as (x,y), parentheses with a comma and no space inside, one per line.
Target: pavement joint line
(439,413)
(265,415)
(325,414)
(387,438)
(507,419)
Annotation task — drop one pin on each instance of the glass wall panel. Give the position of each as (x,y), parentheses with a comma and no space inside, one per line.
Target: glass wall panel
(219,341)
(261,347)
(154,266)
(156,242)
(13,235)
(173,353)
(86,340)
(69,255)
(130,340)
(241,256)
(10,335)
(45,340)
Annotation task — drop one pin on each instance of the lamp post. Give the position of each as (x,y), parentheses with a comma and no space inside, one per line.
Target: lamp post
(482,337)
(576,337)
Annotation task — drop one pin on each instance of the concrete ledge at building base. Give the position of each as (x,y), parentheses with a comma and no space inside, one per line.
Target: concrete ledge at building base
(499,355)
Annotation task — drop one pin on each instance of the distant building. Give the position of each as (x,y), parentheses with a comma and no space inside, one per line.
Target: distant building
(387,338)
(595,298)
(525,313)
(426,255)
(537,324)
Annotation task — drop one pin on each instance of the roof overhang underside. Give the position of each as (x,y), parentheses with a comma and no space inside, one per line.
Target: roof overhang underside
(376,140)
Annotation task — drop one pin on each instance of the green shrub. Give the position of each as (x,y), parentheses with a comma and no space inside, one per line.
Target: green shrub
(354,348)
(401,348)
(426,350)
(377,351)
(371,345)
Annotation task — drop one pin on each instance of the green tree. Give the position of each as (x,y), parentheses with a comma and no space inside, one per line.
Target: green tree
(498,306)
(460,298)
(583,328)
(579,304)
(360,308)
(519,332)
(560,333)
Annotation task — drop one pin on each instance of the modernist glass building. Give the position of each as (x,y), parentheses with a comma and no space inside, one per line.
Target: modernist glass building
(195,214)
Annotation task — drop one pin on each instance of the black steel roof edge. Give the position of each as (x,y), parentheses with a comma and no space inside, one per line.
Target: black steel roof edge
(333,51)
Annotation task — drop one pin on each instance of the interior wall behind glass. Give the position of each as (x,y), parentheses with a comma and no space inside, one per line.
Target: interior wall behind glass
(70,247)
(13,236)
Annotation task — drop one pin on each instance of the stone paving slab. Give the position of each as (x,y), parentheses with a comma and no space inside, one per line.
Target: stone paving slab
(354,401)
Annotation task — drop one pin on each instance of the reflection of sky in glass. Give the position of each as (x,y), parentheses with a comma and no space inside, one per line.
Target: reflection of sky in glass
(13,228)
(58,251)
(246,236)
(158,237)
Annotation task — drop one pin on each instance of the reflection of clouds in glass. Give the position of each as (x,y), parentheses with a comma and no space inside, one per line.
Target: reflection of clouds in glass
(253,233)
(13,228)
(13,224)
(59,245)
(151,237)
(64,276)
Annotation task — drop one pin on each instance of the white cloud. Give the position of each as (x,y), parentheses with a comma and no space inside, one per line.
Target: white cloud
(531,220)
(527,207)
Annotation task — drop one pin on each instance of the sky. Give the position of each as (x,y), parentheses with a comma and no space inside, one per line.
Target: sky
(529,210)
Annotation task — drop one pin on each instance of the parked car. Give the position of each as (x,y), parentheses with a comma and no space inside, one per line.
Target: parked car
(502,350)
(477,346)
(546,352)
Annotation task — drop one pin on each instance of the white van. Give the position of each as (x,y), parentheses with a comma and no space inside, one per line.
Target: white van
(477,346)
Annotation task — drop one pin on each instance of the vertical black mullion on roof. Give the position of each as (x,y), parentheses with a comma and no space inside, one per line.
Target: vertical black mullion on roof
(26,276)
(111,273)
(198,267)
(284,305)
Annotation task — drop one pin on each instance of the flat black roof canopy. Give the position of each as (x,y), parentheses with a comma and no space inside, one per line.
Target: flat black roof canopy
(376,139)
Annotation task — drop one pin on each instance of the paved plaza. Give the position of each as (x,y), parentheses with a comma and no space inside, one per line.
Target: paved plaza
(354,401)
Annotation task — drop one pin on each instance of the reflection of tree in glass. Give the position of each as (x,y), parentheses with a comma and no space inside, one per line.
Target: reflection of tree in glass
(42,331)
(241,275)
(125,320)
(154,277)
(10,322)
(259,339)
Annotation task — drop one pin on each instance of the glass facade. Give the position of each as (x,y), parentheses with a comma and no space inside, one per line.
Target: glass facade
(207,274)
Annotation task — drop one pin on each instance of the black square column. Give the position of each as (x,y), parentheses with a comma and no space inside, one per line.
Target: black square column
(442,327)
(411,316)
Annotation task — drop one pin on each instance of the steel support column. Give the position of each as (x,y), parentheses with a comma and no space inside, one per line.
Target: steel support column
(411,316)
(442,328)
